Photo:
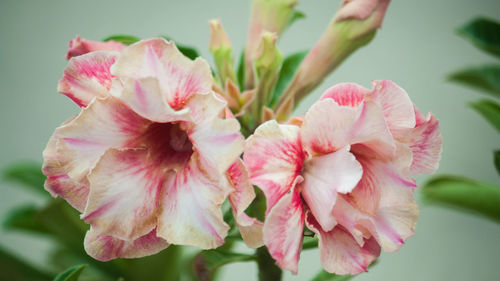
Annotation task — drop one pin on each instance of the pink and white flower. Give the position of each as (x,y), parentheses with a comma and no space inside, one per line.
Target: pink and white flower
(146,159)
(344,171)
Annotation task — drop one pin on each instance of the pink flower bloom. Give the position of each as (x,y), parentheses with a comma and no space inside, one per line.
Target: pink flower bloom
(146,158)
(80,46)
(344,171)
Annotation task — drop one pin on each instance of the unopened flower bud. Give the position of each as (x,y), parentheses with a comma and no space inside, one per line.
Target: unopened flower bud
(221,48)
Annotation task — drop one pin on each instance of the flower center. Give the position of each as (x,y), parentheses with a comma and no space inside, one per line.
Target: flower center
(168,143)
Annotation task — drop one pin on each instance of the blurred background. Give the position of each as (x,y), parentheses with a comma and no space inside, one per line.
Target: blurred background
(416,47)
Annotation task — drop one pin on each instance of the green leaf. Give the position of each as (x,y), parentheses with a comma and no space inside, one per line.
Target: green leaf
(490,110)
(240,72)
(297,15)
(288,69)
(164,266)
(188,51)
(71,274)
(14,269)
(485,78)
(207,262)
(326,276)
(57,220)
(310,243)
(124,39)
(466,194)
(28,174)
(484,33)
(496,160)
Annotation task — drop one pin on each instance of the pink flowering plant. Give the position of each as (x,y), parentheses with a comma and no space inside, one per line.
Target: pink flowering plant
(168,151)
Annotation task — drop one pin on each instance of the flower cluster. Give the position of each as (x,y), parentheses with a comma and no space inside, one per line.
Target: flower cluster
(158,148)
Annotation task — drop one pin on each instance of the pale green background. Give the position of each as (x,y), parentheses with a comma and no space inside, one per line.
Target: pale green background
(416,48)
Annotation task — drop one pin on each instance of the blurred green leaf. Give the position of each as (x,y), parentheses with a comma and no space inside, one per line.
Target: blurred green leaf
(71,274)
(124,39)
(14,269)
(297,15)
(484,33)
(496,160)
(326,276)
(28,174)
(466,194)
(207,262)
(188,51)
(485,78)
(57,220)
(310,243)
(490,110)
(240,72)
(164,266)
(288,69)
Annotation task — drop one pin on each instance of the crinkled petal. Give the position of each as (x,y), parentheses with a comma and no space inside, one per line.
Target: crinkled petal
(346,94)
(205,107)
(283,231)
(340,253)
(58,183)
(377,177)
(87,76)
(191,208)
(102,125)
(326,175)
(327,126)
(105,248)
(240,198)
(274,157)
(125,190)
(79,46)
(145,97)
(395,103)
(219,143)
(372,131)
(382,205)
(178,76)
(425,142)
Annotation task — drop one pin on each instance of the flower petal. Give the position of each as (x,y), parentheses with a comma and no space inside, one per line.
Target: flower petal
(425,141)
(346,94)
(327,126)
(105,248)
(372,132)
(326,175)
(382,205)
(178,76)
(191,208)
(395,103)
(283,231)
(145,97)
(273,156)
(102,125)
(240,198)
(125,190)
(79,46)
(87,76)
(58,183)
(340,254)
(218,142)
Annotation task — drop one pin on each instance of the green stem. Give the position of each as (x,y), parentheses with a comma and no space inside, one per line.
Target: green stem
(268,271)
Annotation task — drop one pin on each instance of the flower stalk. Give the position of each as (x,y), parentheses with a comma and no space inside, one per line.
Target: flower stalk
(267,63)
